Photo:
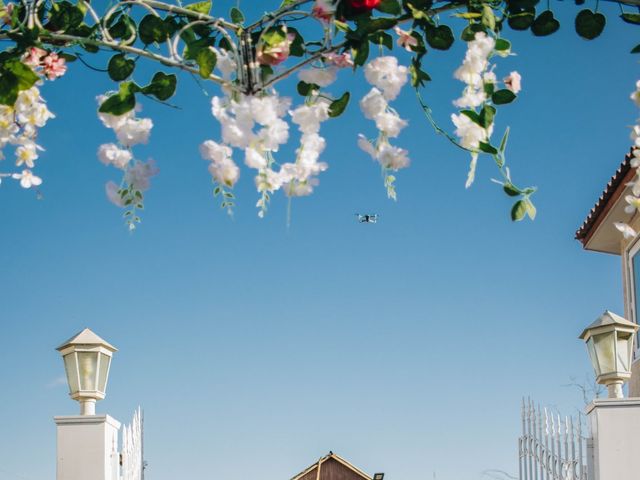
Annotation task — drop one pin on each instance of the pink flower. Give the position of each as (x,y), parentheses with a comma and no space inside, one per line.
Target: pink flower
(405,39)
(323,10)
(275,54)
(513,82)
(54,66)
(340,60)
(34,56)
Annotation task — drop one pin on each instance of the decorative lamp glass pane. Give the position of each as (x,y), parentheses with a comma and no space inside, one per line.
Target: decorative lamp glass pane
(604,345)
(624,351)
(88,362)
(593,356)
(104,371)
(71,367)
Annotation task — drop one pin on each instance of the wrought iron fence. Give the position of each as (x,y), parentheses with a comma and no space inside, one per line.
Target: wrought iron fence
(551,448)
(132,460)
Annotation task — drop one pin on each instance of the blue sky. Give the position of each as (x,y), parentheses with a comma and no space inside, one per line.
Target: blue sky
(254,349)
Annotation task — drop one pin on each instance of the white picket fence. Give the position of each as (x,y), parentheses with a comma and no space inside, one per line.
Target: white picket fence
(132,460)
(551,448)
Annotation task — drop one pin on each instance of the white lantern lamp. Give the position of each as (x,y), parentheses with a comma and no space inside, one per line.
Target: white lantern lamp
(610,344)
(87,359)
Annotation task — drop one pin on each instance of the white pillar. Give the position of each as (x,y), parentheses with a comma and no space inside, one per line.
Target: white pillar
(87,447)
(615,428)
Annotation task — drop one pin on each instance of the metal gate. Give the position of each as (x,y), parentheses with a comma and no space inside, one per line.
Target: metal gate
(551,448)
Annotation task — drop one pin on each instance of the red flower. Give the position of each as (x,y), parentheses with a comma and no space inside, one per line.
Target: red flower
(363,5)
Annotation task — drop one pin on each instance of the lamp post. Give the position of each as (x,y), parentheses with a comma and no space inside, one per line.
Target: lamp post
(610,344)
(87,359)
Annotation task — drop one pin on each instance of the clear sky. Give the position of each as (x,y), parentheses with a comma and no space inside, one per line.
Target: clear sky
(254,349)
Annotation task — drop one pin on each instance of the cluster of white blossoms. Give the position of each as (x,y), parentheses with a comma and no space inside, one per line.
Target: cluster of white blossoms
(633,200)
(257,125)
(19,126)
(130,131)
(387,79)
(19,123)
(478,75)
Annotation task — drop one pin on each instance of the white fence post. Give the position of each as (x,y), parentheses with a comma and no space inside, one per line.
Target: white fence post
(87,447)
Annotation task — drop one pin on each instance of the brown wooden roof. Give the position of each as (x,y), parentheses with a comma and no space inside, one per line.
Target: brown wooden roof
(332,467)
(612,192)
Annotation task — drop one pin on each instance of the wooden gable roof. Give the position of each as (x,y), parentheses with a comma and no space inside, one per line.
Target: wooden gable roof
(332,467)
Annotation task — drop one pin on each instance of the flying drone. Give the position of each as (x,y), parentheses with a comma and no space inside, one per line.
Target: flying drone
(367,217)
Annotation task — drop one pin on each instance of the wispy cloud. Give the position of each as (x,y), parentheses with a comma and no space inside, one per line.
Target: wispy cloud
(57,382)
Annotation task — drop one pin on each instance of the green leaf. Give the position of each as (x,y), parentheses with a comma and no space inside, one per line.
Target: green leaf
(518,211)
(473,116)
(503,45)
(162,86)
(418,76)
(8,88)
(152,29)
(633,18)
(376,24)
(338,106)
(530,208)
(488,17)
(64,16)
(199,7)
(521,19)
(545,24)
(392,7)
(25,77)
(590,25)
(122,102)
(120,67)
(505,139)
(440,37)
(382,38)
(296,48)
(237,16)
(502,97)
(206,60)
(360,53)
(511,190)
(486,116)
(469,32)
(305,88)
(488,148)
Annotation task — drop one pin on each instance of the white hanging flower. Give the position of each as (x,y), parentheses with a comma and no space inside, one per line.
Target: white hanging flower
(626,230)
(387,75)
(323,77)
(633,204)
(134,131)
(111,189)
(111,154)
(254,159)
(393,157)
(140,174)
(470,133)
(214,151)
(225,172)
(390,123)
(373,104)
(26,154)
(27,179)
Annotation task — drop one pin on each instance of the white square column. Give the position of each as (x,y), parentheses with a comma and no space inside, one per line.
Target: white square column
(615,429)
(87,448)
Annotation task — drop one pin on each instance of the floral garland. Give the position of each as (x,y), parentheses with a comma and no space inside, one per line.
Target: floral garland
(255,120)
